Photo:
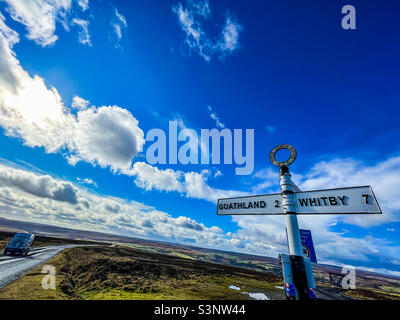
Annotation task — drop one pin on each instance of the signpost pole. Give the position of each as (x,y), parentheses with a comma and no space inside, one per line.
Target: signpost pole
(290,211)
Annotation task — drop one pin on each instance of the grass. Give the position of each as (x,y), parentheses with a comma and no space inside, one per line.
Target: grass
(371,294)
(197,288)
(391,289)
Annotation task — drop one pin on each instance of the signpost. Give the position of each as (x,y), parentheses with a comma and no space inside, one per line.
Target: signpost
(292,202)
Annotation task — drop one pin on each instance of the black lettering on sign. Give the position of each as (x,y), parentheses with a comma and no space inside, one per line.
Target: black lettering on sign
(303,202)
(324,200)
(221,206)
(277,204)
(250,205)
(262,204)
(341,199)
(332,201)
(313,201)
(366,196)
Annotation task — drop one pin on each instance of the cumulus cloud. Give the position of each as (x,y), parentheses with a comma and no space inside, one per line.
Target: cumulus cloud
(152,178)
(84,36)
(186,222)
(194,19)
(106,136)
(190,184)
(42,186)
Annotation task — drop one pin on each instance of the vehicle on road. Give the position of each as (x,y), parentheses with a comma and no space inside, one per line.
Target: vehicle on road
(20,244)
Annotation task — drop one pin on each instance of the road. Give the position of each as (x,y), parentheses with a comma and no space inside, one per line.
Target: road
(12,267)
(324,293)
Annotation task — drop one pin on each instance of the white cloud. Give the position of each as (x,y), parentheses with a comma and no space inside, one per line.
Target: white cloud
(11,35)
(80,103)
(217,173)
(214,116)
(152,178)
(84,36)
(40,17)
(84,4)
(107,136)
(87,181)
(190,184)
(120,18)
(42,186)
(118,24)
(230,36)
(264,180)
(194,19)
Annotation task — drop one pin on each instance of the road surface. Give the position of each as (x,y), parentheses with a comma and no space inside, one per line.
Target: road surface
(324,293)
(12,267)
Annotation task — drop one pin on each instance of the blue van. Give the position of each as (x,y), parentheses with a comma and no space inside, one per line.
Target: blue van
(20,244)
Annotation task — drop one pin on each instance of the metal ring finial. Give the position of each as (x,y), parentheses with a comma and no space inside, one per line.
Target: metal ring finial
(293,155)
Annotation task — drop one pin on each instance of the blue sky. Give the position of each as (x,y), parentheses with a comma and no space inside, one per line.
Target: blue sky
(82,82)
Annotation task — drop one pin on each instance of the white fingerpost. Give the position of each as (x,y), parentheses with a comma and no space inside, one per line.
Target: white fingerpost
(289,208)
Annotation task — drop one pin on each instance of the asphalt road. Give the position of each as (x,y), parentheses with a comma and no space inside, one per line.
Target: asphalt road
(12,267)
(324,293)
